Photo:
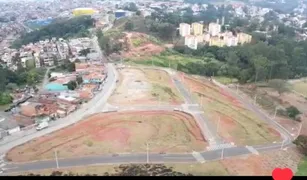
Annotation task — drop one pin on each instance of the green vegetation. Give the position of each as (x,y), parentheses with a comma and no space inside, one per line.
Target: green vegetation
(301,144)
(281,58)
(108,41)
(72,85)
(279,85)
(131,170)
(129,26)
(163,93)
(293,112)
(225,80)
(63,28)
(301,87)
(137,41)
(302,168)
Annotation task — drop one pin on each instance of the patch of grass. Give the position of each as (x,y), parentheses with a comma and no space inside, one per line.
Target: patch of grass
(225,80)
(164,93)
(249,129)
(301,87)
(137,42)
(172,61)
(302,168)
(89,143)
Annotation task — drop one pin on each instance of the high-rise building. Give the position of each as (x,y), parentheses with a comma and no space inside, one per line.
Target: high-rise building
(223,20)
(244,38)
(197,28)
(184,29)
(214,29)
(191,41)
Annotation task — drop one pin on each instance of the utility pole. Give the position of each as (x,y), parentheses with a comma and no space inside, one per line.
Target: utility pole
(56,158)
(147,150)
(299,131)
(255,99)
(275,113)
(282,145)
(237,88)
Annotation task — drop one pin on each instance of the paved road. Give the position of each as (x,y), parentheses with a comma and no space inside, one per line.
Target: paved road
(213,154)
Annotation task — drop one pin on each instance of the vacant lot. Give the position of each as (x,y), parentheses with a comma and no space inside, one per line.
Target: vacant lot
(116,133)
(145,86)
(301,87)
(268,99)
(234,122)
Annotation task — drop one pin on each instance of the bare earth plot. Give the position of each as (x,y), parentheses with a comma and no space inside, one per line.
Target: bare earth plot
(237,124)
(145,86)
(117,133)
(301,87)
(269,99)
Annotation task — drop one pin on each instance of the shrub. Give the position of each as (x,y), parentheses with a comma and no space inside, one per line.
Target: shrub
(293,112)
(301,143)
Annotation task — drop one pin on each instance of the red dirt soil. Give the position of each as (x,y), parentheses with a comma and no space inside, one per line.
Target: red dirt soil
(108,128)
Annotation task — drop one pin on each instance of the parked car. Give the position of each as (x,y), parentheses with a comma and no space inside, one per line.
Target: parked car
(42,125)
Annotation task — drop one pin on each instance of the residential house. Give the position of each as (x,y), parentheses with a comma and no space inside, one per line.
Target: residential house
(94,77)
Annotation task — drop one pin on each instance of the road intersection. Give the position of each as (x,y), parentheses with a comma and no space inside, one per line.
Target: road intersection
(217,148)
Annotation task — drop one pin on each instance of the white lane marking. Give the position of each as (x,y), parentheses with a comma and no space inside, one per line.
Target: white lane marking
(198,157)
(252,150)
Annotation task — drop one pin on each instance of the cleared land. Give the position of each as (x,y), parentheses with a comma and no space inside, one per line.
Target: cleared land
(145,86)
(237,124)
(268,99)
(116,133)
(301,87)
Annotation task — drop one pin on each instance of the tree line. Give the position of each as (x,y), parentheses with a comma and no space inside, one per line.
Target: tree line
(63,28)
(278,58)
(130,170)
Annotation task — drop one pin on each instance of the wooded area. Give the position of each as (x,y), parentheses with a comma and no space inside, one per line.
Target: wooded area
(63,28)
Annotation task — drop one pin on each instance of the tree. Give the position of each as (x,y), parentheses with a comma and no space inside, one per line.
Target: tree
(138,13)
(71,85)
(301,143)
(32,77)
(85,52)
(5,98)
(129,25)
(293,112)
(279,85)
(79,80)
(11,86)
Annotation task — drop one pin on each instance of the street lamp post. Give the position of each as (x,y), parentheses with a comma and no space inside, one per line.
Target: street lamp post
(56,158)
(147,153)
(218,124)
(255,99)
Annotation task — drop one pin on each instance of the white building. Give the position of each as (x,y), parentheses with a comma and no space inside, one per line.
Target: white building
(191,41)
(184,29)
(214,29)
